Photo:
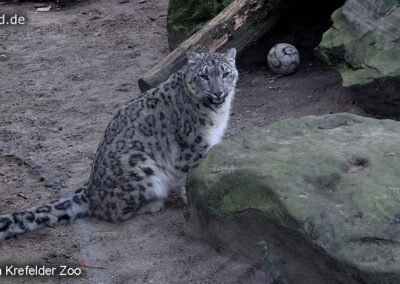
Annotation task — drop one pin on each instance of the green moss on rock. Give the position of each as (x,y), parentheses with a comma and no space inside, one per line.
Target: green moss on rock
(332,183)
(364,41)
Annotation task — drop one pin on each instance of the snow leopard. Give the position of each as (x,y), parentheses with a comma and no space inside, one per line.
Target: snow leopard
(147,148)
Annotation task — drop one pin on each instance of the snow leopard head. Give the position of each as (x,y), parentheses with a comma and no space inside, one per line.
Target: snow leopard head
(212,77)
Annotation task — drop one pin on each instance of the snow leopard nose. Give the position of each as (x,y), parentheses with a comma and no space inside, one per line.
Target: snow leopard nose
(218,94)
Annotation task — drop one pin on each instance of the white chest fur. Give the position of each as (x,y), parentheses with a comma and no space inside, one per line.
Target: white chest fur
(215,132)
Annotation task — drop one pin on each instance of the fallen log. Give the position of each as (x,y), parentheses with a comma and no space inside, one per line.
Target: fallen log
(240,23)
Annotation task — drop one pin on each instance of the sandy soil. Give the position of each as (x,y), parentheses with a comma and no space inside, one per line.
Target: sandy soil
(62,76)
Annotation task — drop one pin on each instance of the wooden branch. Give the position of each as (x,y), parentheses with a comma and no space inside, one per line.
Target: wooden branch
(239,24)
(51,177)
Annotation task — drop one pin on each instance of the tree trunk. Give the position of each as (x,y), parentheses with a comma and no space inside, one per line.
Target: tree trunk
(239,24)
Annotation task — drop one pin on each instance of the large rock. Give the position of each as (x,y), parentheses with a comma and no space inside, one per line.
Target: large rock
(364,45)
(185,17)
(315,200)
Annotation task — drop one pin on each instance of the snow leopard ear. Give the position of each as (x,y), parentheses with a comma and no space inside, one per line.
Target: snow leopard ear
(231,54)
(192,57)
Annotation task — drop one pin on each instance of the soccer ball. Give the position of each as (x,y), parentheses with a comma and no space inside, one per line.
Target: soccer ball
(283,58)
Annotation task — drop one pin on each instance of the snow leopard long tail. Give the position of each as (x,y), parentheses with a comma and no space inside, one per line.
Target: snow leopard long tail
(62,211)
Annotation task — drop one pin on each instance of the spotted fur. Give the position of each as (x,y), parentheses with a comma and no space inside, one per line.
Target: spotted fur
(148,146)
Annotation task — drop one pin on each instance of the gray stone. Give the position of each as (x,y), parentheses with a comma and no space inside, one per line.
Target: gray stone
(364,45)
(314,200)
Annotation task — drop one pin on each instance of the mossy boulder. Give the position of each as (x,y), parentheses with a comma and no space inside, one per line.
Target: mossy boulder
(364,45)
(314,200)
(185,17)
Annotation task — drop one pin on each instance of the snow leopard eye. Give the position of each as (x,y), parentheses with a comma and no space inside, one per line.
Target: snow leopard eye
(204,77)
(226,74)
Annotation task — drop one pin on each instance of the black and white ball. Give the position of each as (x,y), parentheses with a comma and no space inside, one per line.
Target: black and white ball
(283,58)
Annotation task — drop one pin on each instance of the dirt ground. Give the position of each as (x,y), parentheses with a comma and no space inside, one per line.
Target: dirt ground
(62,76)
